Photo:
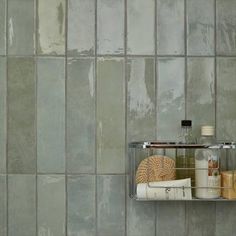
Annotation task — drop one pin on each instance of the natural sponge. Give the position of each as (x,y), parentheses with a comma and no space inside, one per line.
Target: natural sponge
(155,168)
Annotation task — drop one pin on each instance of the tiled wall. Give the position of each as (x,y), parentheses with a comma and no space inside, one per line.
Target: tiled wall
(79,79)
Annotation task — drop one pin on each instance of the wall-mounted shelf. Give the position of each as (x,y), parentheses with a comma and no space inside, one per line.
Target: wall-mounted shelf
(154,171)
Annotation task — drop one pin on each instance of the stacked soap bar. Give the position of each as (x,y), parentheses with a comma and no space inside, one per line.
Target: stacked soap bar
(228,184)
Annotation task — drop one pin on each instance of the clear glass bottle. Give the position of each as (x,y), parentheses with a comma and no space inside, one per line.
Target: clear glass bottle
(207,166)
(185,157)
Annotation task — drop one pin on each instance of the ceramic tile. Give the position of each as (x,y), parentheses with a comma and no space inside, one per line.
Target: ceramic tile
(81,125)
(2,27)
(111,205)
(110,26)
(140,217)
(170,97)
(3,111)
(170,30)
(21,115)
(141,99)
(81,206)
(200,26)
(21,38)
(22,205)
(226,97)
(140,24)
(225,224)
(110,116)
(201,93)
(51,115)
(51,27)
(81,27)
(3,206)
(226,27)
(200,218)
(51,205)
(170,219)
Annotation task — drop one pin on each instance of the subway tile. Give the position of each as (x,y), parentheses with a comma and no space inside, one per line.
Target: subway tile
(3,206)
(110,26)
(200,27)
(81,27)
(170,219)
(110,116)
(81,125)
(2,27)
(21,38)
(226,96)
(21,115)
(200,218)
(201,93)
(111,205)
(51,205)
(170,97)
(141,114)
(140,24)
(81,206)
(22,205)
(170,30)
(226,27)
(225,215)
(3,111)
(51,27)
(51,115)
(140,217)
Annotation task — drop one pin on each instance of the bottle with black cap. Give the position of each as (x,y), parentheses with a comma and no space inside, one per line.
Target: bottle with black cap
(185,157)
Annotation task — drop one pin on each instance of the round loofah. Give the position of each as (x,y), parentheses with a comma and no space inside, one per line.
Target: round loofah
(155,168)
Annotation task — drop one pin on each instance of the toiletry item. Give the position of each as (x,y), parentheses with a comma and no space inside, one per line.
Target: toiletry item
(155,168)
(228,183)
(165,190)
(185,157)
(207,167)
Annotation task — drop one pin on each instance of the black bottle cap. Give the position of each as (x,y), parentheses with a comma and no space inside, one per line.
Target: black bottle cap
(186,123)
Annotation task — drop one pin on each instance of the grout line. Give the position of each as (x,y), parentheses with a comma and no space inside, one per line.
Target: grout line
(95,120)
(66,82)
(7,110)
(126,105)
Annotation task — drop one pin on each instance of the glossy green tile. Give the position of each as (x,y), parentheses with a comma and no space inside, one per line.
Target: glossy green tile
(21,38)
(3,111)
(170,30)
(51,115)
(21,115)
(81,125)
(81,27)
(225,215)
(3,206)
(110,26)
(170,97)
(2,27)
(21,205)
(141,114)
(51,27)
(226,97)
(226,27)
(51,205)
(140,25)
(111,205)
(200,27)
(201,93)
(170,219)
(110,116)
(140,217)
(81,206)
(200,218)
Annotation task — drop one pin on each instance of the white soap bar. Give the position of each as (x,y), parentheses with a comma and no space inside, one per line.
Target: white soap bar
(165,190)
